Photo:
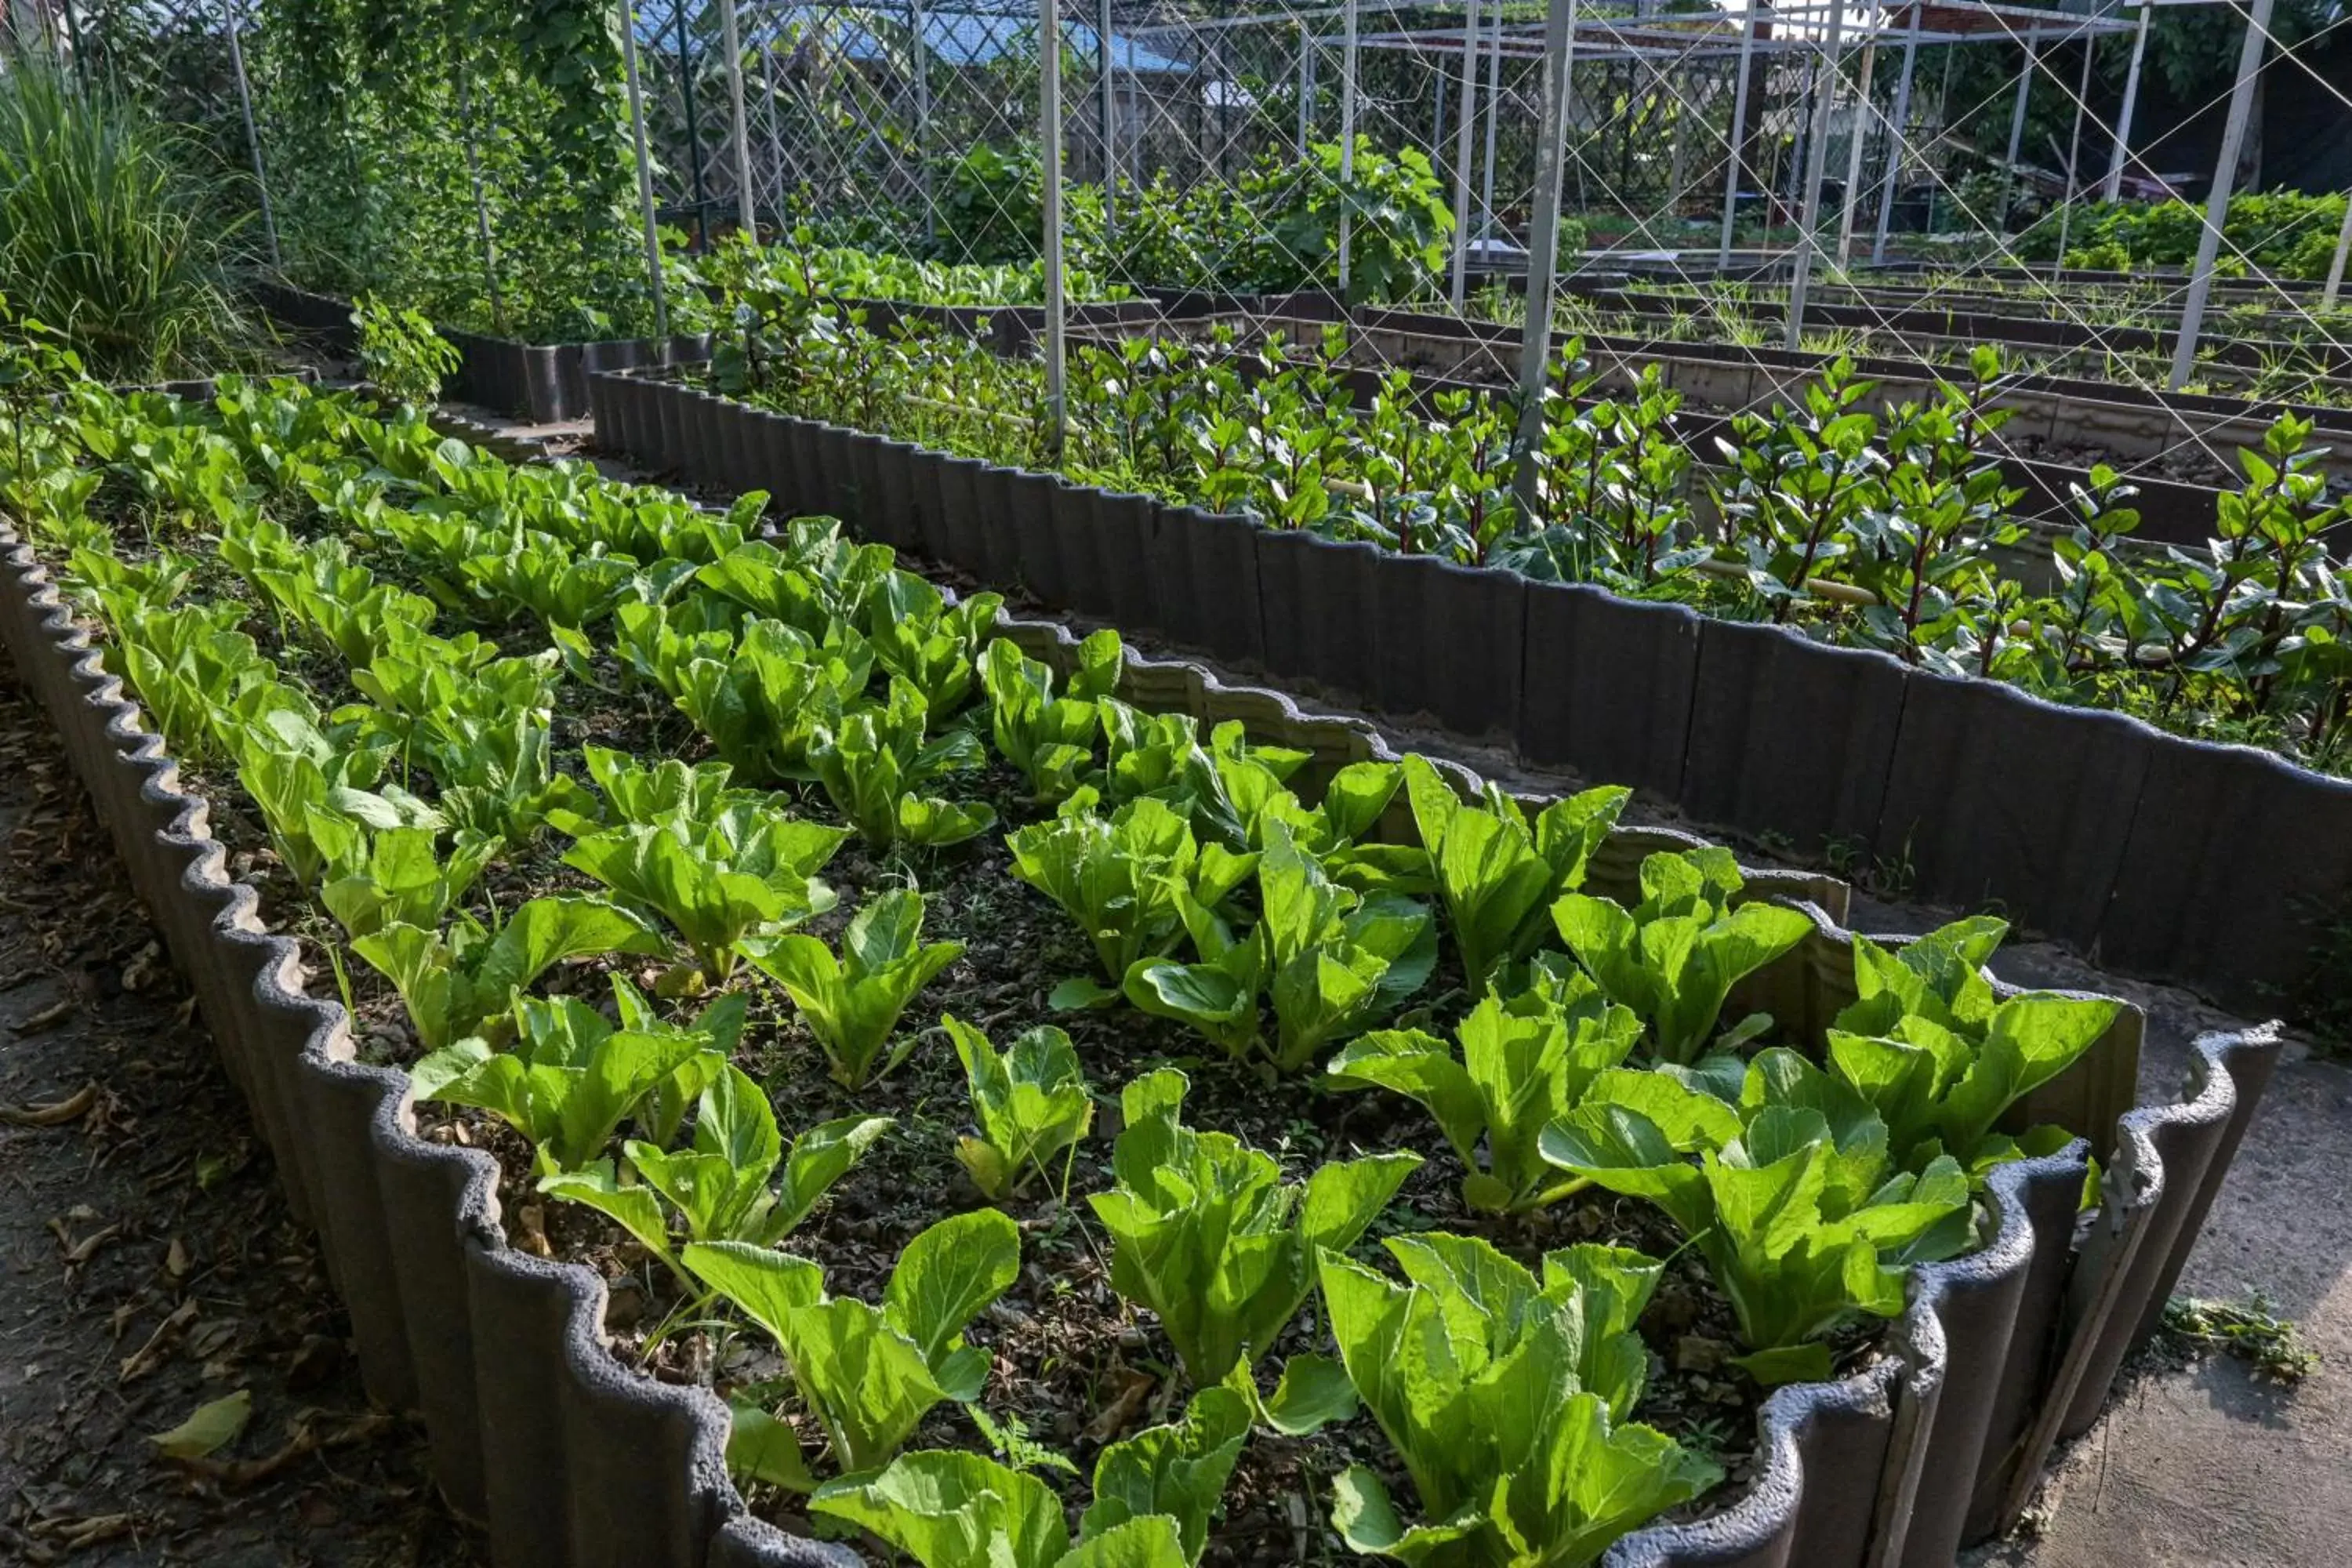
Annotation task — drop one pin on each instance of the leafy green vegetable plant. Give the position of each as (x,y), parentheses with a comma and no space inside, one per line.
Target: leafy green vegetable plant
(1030,1101)
(1049,738)
(457,980)
(740,1181)
(1506,1398)
(852,1002)
(571,1079)
(870,1373)
(1126,877)
(1206,1234)
(1793,1201)
(1498,874)
(873,761)
(1154,1494)
(1522,1064)
(1674,957)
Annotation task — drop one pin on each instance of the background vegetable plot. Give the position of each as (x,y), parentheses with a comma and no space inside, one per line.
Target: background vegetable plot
(427,818)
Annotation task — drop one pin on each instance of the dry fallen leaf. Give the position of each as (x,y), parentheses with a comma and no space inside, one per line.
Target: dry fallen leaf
(212,1426)
(145,1359)
(54,1013)
(55,1113)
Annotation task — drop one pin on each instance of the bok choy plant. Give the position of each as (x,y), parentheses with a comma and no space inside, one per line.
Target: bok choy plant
(740,1181)
(1793,1201)
(1497,873)
(1049,738)
(852,1002)
(873,759)
(1522,1064)
(1674,957)
(1030,1101)
(1154,1495)
(571,1077)
(458,981)
(1205,1232)
(870,1373)
(1331,959)
(1506,1398)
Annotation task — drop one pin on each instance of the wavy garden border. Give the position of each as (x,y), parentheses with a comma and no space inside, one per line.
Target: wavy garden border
(574,1462)
(2214,867)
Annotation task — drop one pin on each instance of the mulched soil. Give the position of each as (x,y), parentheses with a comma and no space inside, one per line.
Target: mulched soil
(151,1265)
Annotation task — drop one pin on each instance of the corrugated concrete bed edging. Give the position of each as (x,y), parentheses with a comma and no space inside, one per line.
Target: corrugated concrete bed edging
(570,1458)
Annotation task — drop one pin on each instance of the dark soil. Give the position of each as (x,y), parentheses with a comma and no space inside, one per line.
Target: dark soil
(150,1264)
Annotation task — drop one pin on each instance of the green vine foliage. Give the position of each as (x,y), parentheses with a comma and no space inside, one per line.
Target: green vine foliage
(368,110)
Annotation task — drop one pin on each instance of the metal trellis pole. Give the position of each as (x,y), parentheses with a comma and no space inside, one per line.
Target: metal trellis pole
(1109,121)
(2073,157)
(920,52)
(2217,203)
(1347,144)
(1493,115)
(1306,89)
(744,217)
(1816,156)
(2122,155)
(1897,131)
(1465,122)
(481,201)
(1850,198)
(1049,134)
(2343,249)
(645,168)
(252,134)
(693,128)
(1543,245)
(2017,129)
(1738,137)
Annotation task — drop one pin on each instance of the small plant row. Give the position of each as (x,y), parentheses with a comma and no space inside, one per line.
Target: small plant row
(702,285)
(363,558)
(1882,531)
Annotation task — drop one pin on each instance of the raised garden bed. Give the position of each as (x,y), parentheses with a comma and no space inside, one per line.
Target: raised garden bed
(574,1458)
(2126,843)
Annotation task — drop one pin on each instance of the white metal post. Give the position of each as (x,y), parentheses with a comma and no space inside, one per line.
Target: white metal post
(1897,131)
(1346,143)
(2217,202)
(1109,121)
(918,48)
(1494,114)
(1306,89)
(1683,106)
(2343,248)
(1738,137)
(645,168)
(744,218)
(1543,244)
(1049,132)
(2017,130)
(2074,155)
(252,136)
(1861,134)
(1466,121)
(2122,153)
(1816,156)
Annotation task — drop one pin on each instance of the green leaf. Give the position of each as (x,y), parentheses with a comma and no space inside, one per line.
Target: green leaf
(209,1428)
(1312,1393)
(760,1448)
(1178,1472)
(948,1274)
(954,1511)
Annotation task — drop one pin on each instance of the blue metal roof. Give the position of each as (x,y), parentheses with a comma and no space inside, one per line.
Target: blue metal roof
(969,34)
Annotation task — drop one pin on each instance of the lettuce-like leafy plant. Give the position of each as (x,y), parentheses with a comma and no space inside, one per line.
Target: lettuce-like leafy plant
(1030,1101)
(1049,738)
(870,1373)
(455,982)
(1503,1396)
(1205,1232)
(1496,873)
(1523,1063)
(1332,960)
(873,759)
(399,878)
(1154,1494)
(571,1079)
(762,703)
(1674,957)
(740,1181)
(852,1002)
(638,796)
(1125,879)
(924,642)
(729,882)
(1793,1201)
(1941,1058)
